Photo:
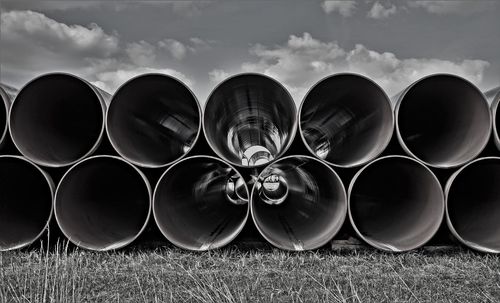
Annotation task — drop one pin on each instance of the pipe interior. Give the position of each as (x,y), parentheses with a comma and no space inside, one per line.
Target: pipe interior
(153,120)
(102,203)
(249,120)
(396,204)
(346,120)
(444,120)
(26,202)
(473,204)
(194,206)
(56,119)
(312,209)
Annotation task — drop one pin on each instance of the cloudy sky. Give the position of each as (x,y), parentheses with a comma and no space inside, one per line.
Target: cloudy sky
(395,42)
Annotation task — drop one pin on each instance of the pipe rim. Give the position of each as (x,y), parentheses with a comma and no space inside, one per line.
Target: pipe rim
(494,110)
(344,212)
(101,132)
(156,189)
(292,133)
(5,102)
(51,185)
(384,145)
(124,244)
(145,165)
(373,243)
(443,165)
(447,189)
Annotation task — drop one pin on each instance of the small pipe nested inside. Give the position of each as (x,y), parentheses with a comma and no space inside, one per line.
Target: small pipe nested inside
(25,202)
(443,120)
(102,203)
(249,120)
(200,203)
(346,119)
(396,204)
(56,120)
(153,120)
(298,203)
(473,205)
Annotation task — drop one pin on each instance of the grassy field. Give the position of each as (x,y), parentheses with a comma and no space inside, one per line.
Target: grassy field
(236,274)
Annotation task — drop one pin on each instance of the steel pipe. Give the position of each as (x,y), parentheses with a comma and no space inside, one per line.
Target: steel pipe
(249,120)
(200,203)
(298,203)
(102,203)
(57,119)
(7,94)
(153,120)
(25,204)
(346,119)
(395,203)
(442,120)
(473,204)
(493,97)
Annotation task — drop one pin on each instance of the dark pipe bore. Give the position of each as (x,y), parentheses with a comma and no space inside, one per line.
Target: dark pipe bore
(395,203)
(298,203)
(102,203)
(153,120)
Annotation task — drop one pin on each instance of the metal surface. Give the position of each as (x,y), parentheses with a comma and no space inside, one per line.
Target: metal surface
(102,203)
(200,203)
(493,97)
(346,120)
(395,203)
(443,120)
(7,94)
(298,203)
(57,119)
(25,204)
(249,120)
(473,204)
(153,120)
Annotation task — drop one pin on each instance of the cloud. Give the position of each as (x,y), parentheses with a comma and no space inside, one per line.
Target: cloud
(460,7)
(378,11)
(33,44)
(217,75)
(343,7)
(177,49)
(304,60)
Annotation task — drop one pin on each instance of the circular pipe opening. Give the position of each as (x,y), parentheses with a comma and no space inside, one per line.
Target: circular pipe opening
(298,203)
(443,120)
(249,120)
(56,120)
(153,120)
(473,204)
(346,120)
(199,204)
(102,203)
(26,203)
(395,203)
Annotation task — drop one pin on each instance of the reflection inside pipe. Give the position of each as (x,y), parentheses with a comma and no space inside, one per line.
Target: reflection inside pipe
(474,205)
(298,203)
(396,204)
(25,202)
(346,120)
(249,120)
(207,209)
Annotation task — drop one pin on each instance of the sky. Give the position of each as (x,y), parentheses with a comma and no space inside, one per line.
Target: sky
(298,42)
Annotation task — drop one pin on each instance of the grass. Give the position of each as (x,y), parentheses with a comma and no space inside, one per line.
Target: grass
(236,274)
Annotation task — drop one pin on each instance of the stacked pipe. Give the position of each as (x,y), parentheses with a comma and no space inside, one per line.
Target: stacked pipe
(391,169)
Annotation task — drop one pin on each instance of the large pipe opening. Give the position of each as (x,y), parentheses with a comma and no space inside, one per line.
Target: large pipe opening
(473,204)
(443,120)
(249,120)
(57,119)
(298,203)
(153,120)
(200,203)
(26,202)
(346,120)
(395,203)
(102,203)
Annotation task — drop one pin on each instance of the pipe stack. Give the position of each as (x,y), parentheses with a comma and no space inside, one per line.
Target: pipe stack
(392,170)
